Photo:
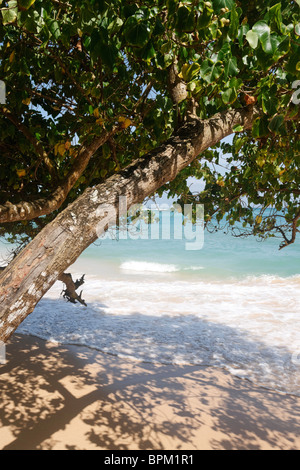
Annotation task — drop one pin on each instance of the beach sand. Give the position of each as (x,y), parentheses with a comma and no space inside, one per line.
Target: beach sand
(70,397)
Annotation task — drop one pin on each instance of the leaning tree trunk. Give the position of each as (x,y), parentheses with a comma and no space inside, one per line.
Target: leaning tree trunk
(31,274)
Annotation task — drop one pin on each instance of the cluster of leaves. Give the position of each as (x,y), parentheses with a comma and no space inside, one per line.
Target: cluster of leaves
(73,69)
(254,60)
(255,189)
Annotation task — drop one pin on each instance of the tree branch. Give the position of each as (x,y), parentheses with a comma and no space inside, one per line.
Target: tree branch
(30,137)
(61,103)
(28,210)
(31,274)
(281,189)
(143,96)
(290,241)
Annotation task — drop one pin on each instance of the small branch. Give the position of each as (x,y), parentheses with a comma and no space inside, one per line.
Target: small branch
(62,4)
(143,96)
(69,293)
(61,103)
(35,143)
(71,77)
(290,241)
(7,8)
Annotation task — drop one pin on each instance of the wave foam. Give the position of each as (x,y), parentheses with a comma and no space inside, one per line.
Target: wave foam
(145,266)
(249,327)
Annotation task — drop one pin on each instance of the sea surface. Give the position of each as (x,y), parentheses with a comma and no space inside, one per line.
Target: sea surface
(234,304)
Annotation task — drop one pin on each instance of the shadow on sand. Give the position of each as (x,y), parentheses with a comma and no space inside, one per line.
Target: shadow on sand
(64,397)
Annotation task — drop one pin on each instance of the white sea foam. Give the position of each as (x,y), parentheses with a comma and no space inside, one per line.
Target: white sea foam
(249,326)
(148,267)
(145,266)
(194,268)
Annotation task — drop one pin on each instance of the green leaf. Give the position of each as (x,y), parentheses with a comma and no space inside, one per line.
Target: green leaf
(30,24)
(276,16)
(189,71)
(297,29)
(269,104)
(248,170)
(100,49)
(276,123)
(229,96)
(205,18)
(171,6)
(10,15)
(225,51)
(260,28)
(129,9)
(269,43)
(213,30)
(238,128)
(283,48)
(252,38)
(24,69)
(53,27)
(292,64)
(158,28)
(115,26)
(242,32)
(234,23)
(235,83)
(229,61)
(260,128)
(218,4)
(25,4)
(185,20)
(147,52)
(109,55)
(211,71)
(137,33)
(231,69)
(260,161)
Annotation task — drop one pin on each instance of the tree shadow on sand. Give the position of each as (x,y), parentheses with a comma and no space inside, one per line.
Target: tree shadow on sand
(64,397)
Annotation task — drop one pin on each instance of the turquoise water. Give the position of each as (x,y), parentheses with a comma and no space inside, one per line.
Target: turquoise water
(222,256)
(233,304)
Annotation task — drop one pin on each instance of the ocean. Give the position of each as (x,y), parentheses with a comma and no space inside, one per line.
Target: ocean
(232,303)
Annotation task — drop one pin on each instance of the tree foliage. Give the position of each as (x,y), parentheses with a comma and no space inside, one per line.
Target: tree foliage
(90,79)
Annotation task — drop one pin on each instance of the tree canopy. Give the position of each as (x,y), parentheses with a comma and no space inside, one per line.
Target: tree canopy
(93,85)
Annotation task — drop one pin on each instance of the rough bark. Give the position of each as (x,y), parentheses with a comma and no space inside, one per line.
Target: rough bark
(30,275)
(177,86)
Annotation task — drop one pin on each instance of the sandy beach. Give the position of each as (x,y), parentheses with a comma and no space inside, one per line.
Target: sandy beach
(70,397)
